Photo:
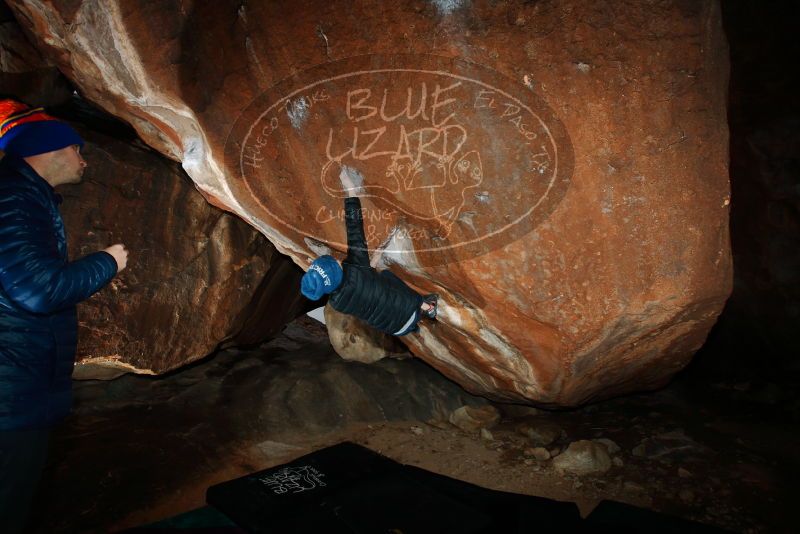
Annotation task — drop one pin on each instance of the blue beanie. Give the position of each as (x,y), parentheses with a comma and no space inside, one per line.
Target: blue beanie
(27,132)
(323,277)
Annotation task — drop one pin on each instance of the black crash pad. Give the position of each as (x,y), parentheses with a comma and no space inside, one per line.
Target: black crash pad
(349,488)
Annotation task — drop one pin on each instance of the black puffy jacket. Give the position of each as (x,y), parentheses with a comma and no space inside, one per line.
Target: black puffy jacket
(39,288)
(378,298)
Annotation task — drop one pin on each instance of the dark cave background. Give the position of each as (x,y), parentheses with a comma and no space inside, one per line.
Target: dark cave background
(756,336)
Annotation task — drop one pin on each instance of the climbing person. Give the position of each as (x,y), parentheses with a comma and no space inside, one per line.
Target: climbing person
(380,299)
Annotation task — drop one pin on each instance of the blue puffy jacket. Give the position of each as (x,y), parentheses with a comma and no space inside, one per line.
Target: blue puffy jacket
(39,288)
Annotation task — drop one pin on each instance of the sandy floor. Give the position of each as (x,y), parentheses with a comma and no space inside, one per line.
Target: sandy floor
(138,450)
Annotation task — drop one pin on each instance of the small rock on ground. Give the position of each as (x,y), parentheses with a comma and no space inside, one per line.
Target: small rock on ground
(473,418)
(583,457)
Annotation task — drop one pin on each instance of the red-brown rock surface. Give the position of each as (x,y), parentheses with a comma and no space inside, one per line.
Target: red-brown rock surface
(196,276)
(556,171)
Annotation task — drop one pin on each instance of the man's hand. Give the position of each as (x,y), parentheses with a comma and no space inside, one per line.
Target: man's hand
(352,181)
(120,254)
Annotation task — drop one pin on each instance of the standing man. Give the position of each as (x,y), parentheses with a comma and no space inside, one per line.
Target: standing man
(39,288)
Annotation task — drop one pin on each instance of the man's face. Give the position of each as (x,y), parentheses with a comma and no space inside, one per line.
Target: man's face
(69,164)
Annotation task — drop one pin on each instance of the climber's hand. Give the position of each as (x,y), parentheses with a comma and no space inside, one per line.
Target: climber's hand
(352,181)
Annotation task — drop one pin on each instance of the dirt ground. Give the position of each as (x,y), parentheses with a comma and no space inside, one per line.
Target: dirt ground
(138,450)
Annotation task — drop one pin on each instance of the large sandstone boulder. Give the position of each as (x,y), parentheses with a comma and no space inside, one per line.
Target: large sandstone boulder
(197,277)
(556,171)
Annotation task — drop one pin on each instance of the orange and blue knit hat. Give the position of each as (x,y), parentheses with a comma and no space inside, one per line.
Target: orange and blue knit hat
(26,131)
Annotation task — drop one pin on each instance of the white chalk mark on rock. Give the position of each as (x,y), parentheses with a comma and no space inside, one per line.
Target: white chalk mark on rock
(447,7)
(297,111)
